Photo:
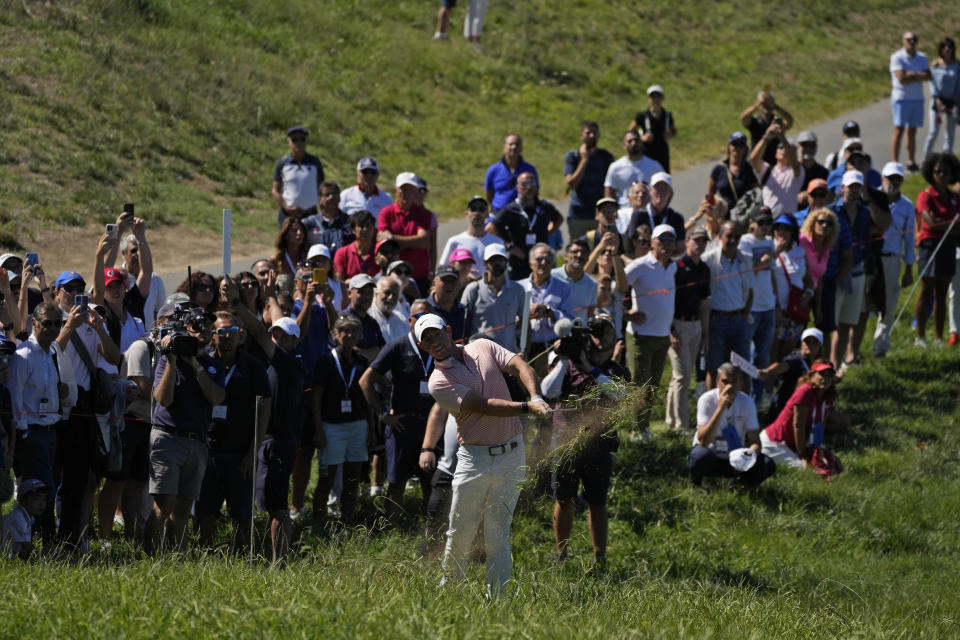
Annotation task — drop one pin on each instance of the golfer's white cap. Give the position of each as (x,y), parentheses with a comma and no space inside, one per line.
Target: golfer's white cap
(852,177)
(319,250)
(427,321)
(288,326)
(892,169)
(661,176)
(495,249)
(812,333)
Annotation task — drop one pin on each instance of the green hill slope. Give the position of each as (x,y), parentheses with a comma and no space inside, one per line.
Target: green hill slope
(181,106)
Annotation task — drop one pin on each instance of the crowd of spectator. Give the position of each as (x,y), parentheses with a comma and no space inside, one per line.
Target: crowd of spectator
(360,351)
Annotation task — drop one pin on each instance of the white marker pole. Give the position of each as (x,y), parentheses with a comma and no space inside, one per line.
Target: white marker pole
(226,241)
(525,322)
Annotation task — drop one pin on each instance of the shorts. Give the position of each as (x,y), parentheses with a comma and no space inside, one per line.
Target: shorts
(907,113)
(403,450)
(788,329)
(592,466)
(224,481)
(944,264)
(177,465)
(850,303)
(449,4)
(136,452)
(274,467)
(346,442)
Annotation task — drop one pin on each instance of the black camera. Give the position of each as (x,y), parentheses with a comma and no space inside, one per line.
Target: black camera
(182,343)
(575,338)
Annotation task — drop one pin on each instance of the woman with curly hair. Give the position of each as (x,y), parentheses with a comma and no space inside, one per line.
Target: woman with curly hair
(817,237)
(291,246)
(202,289)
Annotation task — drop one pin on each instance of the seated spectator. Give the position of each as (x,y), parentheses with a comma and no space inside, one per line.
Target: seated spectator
(800,427)
(16,531)
(734,176)
(358,256)
(792,367)
(365,195)
(727,424)
(291,246)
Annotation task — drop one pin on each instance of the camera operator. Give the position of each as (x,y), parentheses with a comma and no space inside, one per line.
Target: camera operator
(583,360)
(188,383)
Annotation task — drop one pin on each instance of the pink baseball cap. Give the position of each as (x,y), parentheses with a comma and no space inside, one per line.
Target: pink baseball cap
(461,254)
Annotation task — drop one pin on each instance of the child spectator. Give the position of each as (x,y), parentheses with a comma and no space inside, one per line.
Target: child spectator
(16,532)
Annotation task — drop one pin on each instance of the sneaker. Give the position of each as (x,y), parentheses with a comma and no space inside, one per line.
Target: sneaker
(439,35)
(297,514)
(954,339)
(913,168)
(376,490)
(920,342)
(938,343)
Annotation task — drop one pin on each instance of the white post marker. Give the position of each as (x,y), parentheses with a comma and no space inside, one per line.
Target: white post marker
(226,241)
(743,364)
(253,471)
(525,322)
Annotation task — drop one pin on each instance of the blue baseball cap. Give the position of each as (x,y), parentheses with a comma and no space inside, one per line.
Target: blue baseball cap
(787,219)
(737,137)
(67,276)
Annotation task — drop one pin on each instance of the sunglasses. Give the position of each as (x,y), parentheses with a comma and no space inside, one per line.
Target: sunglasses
(74,288)
(263,274)
(249,284)
(228,331)
(47,324)
(402,272)
(609,252)
(133,251)
(298,139)
(824,222)
(765,223)
(543,259)
(203,288)
(369,172)
(527,183)
(819,193)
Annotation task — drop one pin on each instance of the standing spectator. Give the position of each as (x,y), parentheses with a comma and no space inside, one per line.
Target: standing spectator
(443,19)
(606,224)
(762,325)
(758,117)
(584,169)
(491,457)
(358,256)
(944,94)
(370,339)
(443,298)
(291,246)
(656,126)
(583,288)
(789,270)
(521,224)
(549,300)
(341,416)
(393,324)
(734,176)
(727,422)
(296,178)
(365,195)
(493,303)
(653,279)
(850,129)
(731,300)
(909,69)
(812,170)
(411,225)
(136,252)
(235,434)
(937,206)
(817,237)
(855,159)
(473,21)
(475,239)
(690,330)
(639,198)
(501,181)
(329,226)
(186,388)
(897,246)
(658,211)
(781,180)
(817,195)
(633,167)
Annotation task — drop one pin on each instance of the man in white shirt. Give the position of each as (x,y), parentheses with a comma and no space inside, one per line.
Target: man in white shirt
(475,239)
(653,279)
(763,319)
(727,423)
(897,245)
(909,69)
(392,323)
(633,167)
(365,194)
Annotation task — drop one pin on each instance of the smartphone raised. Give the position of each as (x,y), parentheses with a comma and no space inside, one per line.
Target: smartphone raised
(128,209)
(32,259)
(111,230)
(320,275)
(82,300)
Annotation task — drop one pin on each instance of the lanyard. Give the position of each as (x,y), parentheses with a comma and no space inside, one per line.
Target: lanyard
(226,381)
(293,269)
(426,367)
(536,214)
(803,362)
(353,370)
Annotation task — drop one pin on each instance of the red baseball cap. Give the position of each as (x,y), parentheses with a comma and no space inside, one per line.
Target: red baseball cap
(111,275)
(822,366)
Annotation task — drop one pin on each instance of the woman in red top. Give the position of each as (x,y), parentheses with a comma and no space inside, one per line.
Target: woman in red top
(800,427)
(937,205)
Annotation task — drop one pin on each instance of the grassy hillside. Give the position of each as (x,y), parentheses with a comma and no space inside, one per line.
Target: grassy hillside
(869,554)
(182,106)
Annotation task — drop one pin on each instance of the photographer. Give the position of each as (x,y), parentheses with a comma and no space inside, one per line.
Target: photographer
(188,383)
(583,361)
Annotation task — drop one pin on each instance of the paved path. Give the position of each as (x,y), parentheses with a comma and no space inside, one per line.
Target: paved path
(690,185)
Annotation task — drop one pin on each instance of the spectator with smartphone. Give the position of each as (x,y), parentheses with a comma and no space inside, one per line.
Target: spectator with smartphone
(781,180)
(296,178)
(758,117)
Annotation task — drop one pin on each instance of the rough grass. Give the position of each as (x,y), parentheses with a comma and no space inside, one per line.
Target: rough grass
(182,108)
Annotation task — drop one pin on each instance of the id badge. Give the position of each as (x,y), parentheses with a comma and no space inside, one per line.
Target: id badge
(220,412)
(424,388)
(531,239)
(731,437)
(816,435)
(346,406)
(44,405)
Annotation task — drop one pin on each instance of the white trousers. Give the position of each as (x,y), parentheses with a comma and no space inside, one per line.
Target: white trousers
(891,284)
(473,20)
(779,452)
(485,489)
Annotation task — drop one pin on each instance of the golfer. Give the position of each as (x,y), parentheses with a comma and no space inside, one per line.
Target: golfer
(468,382)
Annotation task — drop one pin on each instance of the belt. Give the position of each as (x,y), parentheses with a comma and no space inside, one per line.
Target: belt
(887,254)
(43,427)
(693,318)
(856,273)
(183,433)
(718,312)
(500,449)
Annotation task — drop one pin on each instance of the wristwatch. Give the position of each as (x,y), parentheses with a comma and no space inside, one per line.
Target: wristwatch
(425,450)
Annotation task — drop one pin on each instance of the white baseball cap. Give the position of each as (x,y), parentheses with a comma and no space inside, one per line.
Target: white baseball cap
(427,321)
(495,249)
(661,176)
(852,177)
(408,177)
(319,250)
(812,333)
(892,169)
(654,88)
(850,142)
(664,229)
(288,326)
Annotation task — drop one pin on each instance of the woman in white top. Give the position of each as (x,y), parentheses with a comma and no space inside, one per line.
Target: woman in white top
(789,270)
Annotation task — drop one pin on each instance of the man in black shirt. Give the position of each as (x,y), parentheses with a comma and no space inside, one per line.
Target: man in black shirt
(585,169)
(405,415)
(691,322)
(360,294)
(658,211)
(807,148)
(523,223)
(759,116)
(233,439)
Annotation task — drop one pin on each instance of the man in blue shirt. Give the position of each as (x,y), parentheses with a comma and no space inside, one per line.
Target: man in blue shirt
(584,169)
(501,181)
(583,288)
